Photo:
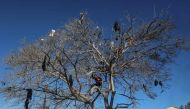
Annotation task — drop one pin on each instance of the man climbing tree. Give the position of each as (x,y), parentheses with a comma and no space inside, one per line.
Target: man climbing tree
(133,59)
(97,79)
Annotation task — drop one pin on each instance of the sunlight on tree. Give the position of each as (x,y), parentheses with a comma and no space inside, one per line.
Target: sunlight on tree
(78,67)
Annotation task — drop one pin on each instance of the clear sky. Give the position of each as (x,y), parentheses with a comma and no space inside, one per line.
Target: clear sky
(34,18)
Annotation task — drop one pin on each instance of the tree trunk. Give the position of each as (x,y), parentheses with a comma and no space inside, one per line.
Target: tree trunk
(112,99)
(106,103)
(93,107)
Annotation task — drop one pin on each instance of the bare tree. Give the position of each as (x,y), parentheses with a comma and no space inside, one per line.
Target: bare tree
(78,67)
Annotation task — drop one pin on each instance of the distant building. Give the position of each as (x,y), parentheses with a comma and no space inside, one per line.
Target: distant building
(171,107)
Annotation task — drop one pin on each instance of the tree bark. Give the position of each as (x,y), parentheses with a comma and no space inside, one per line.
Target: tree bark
(93,107)
(112,99)
(106,103)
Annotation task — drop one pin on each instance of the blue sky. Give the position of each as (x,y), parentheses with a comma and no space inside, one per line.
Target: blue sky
(34,18)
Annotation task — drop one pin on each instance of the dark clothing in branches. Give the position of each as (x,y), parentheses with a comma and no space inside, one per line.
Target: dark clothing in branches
(70,80)
(44,64)
(28,97)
